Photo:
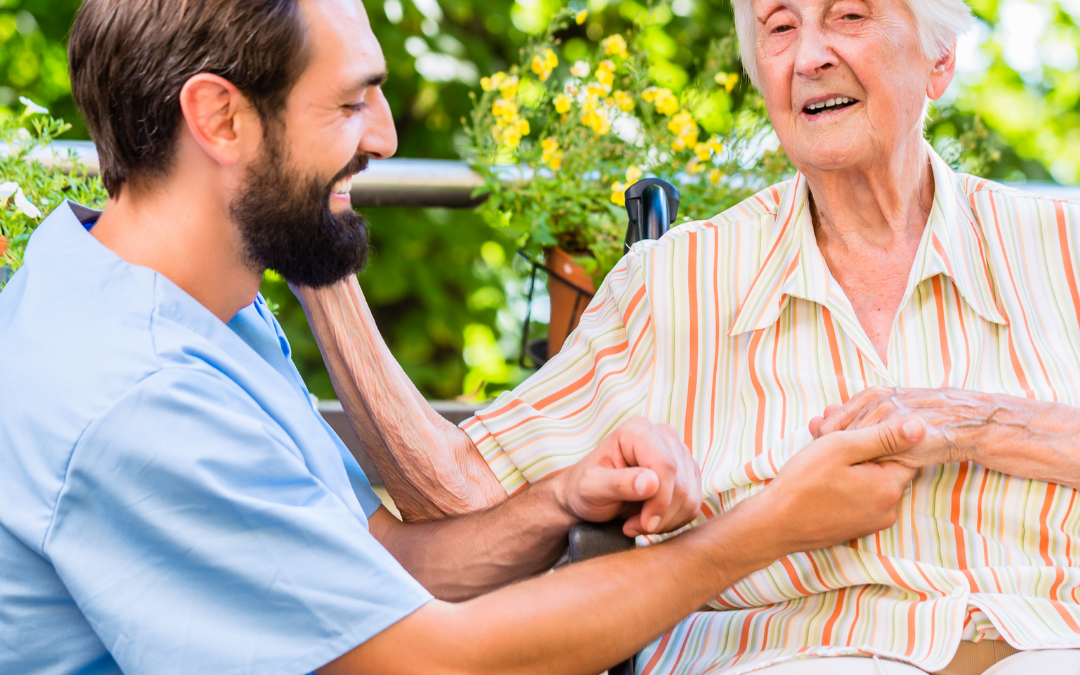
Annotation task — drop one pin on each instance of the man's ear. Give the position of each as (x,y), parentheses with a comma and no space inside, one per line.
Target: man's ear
(942,74)
(212,108)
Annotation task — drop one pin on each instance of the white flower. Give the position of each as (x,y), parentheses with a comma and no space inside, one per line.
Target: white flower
(22,204)
(33,108)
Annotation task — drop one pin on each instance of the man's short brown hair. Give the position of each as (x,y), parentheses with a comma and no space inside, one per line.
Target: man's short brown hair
(129,60)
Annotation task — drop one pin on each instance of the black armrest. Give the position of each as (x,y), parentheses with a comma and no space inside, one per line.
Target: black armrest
(589,540)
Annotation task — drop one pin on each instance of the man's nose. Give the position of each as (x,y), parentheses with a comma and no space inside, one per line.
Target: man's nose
(814,53)
(380,137)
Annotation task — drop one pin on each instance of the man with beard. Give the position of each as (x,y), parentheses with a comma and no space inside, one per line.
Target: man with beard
(171,502)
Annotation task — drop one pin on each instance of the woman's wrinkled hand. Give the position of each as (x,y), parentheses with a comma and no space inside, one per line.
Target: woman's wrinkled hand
(955,419)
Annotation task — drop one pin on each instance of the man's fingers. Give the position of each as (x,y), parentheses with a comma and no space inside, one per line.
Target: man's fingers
(883,440)
(648,445)
(815,426)
(897,473)
(632,484)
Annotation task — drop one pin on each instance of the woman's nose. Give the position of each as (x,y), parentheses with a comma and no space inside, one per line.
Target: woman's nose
(814,53)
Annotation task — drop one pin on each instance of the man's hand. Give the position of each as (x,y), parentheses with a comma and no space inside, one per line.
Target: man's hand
(842,486)
(956,419)
(641,469)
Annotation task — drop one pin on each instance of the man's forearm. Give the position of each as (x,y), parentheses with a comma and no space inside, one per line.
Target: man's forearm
(581,619)
(430,467)
(464,556)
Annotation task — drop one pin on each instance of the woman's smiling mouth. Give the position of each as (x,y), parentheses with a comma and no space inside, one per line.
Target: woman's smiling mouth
(829,105)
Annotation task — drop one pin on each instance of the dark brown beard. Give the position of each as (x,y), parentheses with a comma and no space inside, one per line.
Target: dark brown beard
(287,225)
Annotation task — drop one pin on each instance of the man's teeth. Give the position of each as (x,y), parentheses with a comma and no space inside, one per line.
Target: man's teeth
(840,100)
(343,186)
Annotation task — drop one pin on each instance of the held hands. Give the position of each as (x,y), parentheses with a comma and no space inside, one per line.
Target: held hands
(842,486)
(642,470)
(954,419)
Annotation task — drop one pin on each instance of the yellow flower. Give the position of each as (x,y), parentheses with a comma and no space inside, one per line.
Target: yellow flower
(685,129)
(666,103)
(662,98)
(562,104)
(552,155)
(543,63)
(504,109)
(606,64)
(624,101)
(508,86)
(580,69)
(618,195)
(706,149)
(615,45)
(633,175)
(580,17)
(694,167)
(605,77)
(729,80)
(492,83)
(714,176)
(510,135)
(596,121)
(597,88)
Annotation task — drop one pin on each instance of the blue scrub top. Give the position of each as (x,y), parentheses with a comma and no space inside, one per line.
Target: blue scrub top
(170,500)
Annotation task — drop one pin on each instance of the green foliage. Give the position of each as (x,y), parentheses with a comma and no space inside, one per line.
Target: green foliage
(558,145)
(29,189)
(33,59)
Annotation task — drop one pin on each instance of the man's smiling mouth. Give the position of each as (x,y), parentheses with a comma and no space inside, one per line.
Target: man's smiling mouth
(343,186)
(838,103)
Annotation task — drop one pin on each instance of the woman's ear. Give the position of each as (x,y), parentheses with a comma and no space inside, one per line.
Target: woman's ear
(212,109)
(942,73)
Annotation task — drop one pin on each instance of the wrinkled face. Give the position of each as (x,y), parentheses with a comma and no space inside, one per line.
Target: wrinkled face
(844,81)
(294,210)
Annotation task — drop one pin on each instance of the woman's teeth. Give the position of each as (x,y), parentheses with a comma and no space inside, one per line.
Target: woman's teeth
(343,186)
(830,103)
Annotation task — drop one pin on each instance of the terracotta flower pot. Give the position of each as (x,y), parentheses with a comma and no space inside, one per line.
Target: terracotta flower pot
(567,302)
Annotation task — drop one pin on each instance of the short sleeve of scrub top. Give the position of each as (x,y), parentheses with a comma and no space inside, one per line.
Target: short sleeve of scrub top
(168,539)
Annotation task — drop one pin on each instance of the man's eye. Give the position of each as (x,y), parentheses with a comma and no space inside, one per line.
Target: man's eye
(852,17)
(354,107)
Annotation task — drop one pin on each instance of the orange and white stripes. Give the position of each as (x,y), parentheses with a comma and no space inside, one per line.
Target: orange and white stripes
(734,331)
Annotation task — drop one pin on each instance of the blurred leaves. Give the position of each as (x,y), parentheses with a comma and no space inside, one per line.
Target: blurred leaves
(29,190)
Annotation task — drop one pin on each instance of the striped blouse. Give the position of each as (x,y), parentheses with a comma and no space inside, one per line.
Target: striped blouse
(734,331)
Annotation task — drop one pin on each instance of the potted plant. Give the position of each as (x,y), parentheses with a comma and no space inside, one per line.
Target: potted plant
(558,143)
(28,189)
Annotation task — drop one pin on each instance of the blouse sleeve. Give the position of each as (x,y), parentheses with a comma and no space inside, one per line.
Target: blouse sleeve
(600,378)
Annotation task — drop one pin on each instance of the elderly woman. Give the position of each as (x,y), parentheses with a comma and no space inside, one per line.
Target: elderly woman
(876,282)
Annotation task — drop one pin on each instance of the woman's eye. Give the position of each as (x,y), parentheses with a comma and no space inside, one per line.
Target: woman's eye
(852,17)
(354,107)
(782,29)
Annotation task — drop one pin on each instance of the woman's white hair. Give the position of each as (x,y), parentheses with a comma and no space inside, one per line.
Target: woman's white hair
(939,23)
